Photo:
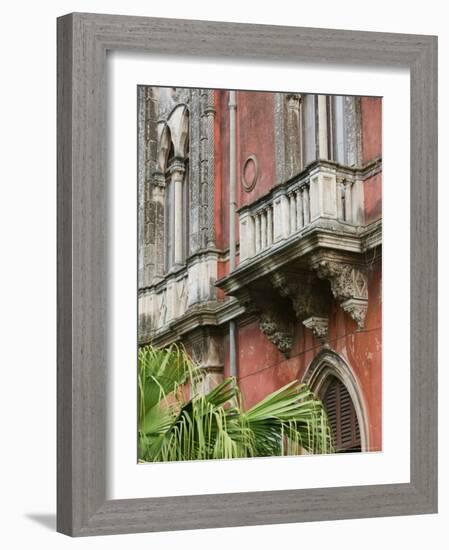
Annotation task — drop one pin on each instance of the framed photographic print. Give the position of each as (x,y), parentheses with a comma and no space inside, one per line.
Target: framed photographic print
(246,274)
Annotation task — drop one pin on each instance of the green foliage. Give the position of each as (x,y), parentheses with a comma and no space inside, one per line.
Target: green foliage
(178,422)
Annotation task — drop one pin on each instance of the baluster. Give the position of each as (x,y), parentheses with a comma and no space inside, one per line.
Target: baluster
(257,218)
(285,216)
(251,239)
(263,229)
(299,210)
(270,225)
(306,205)
(292,199)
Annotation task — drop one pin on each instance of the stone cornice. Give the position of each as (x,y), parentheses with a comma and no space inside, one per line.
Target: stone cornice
(212,314)
(179,272)
(345,239)
(371,235)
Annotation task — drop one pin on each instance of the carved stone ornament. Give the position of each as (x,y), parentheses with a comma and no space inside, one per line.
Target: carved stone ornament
(205,347)
(276,319)
(250,173)
(158,179)
(206,352)
(277,330)
(349,286)
(307,297)
(357,309)
(319,326)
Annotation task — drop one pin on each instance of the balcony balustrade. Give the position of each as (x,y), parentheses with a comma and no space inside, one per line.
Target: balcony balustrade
(325,195)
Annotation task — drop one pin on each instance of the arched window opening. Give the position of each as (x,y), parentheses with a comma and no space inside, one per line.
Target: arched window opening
(177,191)
(342,417)
(331,378)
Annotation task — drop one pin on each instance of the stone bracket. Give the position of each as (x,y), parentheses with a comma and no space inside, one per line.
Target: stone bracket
(277,329)
(276,321)
(319,326)
(349,286)
(356,308)
(308,300)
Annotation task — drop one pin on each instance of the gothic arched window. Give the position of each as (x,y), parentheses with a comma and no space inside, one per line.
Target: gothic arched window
(330,377)
(177,190)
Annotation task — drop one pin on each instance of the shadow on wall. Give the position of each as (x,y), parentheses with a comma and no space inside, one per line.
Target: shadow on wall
(46,520)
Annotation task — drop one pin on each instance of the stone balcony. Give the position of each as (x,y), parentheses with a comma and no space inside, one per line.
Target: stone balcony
(302,245)
(325,195)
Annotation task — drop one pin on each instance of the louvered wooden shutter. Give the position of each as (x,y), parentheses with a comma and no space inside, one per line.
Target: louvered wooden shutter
(342,417)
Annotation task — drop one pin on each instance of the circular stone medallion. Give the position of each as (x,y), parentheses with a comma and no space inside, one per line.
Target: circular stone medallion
(250,173)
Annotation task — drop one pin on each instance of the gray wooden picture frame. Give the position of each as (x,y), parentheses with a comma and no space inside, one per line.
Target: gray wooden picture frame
(83,40)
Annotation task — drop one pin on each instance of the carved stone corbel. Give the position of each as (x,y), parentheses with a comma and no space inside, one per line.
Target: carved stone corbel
(277,329)
(276,320)
(320,328)
(308,299)
(349,286)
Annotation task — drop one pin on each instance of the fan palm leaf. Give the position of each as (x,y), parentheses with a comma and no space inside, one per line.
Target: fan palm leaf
(178,423)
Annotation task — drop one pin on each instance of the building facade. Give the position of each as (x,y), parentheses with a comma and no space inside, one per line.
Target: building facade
(260,243)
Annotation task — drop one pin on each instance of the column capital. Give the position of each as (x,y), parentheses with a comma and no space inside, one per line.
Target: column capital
(177,167)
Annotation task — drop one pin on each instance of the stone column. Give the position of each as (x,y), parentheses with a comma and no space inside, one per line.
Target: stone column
(209,113)
(177,171)
(294,129)
(323,152)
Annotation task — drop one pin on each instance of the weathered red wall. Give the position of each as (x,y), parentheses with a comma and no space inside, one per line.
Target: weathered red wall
(371,108)
(255,125)
(255,136)
(372,188)
(263,369)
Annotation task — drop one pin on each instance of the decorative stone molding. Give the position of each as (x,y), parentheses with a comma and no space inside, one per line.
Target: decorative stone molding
(304,292)
(159,180)
(202,169)
(150,192)
(308,299)
(276,320)
(277,330)
(279,136)
(319,326)
(327,363)
(177,167)
(357,309)
(349,286)
(294,135)
(250,173)
(205,348)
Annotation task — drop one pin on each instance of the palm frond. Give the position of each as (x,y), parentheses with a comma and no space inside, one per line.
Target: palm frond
(175,424)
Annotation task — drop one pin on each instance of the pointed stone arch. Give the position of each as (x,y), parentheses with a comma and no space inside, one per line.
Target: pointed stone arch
(164,147)
(327,365)
(178,122)
(183,137)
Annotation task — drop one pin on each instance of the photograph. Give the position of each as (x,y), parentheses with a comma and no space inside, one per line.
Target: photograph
(259,274)
(231,231)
